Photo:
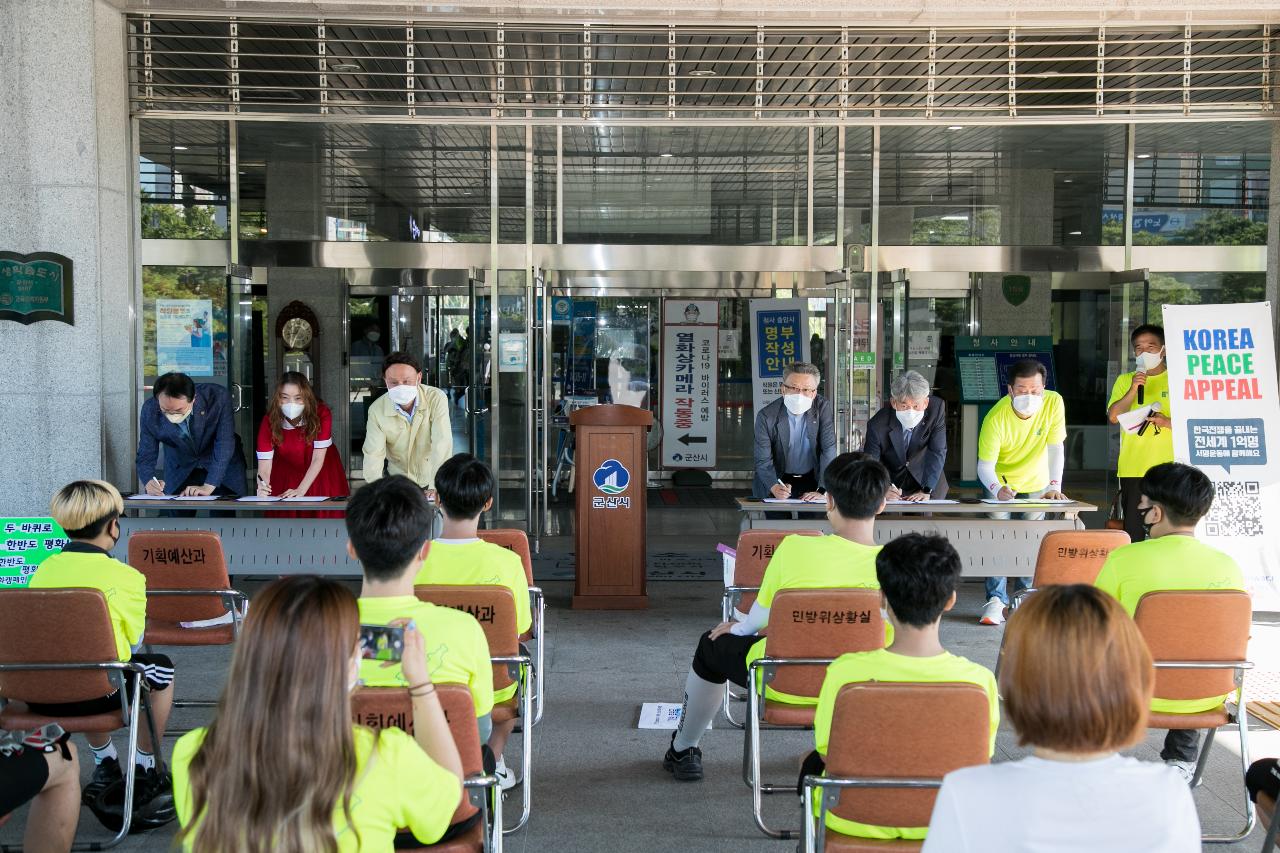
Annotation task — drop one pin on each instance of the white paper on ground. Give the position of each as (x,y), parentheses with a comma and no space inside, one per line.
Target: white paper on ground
(661,715)
(1131,421)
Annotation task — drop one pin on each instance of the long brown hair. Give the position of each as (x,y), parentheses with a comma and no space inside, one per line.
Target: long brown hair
(280,754)
(1076,675)
(310,409)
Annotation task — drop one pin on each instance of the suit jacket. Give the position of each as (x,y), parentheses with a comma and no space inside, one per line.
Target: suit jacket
(920,468)
(415,449)
(773,437)
(213,432)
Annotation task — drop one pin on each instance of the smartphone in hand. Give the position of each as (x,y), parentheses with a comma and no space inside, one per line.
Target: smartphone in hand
(381,642)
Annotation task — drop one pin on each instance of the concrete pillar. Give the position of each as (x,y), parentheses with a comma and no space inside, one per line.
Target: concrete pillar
(68,404)
(1273,234)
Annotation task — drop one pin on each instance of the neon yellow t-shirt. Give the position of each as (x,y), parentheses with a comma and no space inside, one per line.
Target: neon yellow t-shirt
(478,563)
(1168,563)
(1017,446)
(123,586)
(1140,453)
(815,562)
(884,665)
(457,651)
(397,786)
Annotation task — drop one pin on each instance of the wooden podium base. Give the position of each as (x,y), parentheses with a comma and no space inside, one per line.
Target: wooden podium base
(611,602)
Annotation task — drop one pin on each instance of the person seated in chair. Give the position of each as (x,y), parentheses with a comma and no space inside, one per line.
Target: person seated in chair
(465,488)
(41,767)
(389,525)
(89,511)
(918,575)
(856,490)
(1174,497)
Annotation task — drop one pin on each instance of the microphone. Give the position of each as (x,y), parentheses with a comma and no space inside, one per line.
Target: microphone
(1155,407)
(1141,389)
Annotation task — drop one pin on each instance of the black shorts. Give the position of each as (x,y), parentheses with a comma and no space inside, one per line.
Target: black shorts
(1263,777)
(158,675)
(22,776)
(405,839)
(723,659)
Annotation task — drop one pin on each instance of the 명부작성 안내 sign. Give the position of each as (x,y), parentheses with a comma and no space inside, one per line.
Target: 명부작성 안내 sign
(35,287)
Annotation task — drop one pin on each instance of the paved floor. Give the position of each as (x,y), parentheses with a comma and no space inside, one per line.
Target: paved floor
(599,784)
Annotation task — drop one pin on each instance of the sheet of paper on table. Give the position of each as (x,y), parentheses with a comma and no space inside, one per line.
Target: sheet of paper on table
(150,497)
(794,501)
(254,499)
(1033,501)
(303,499)
(930,501)
(197,497)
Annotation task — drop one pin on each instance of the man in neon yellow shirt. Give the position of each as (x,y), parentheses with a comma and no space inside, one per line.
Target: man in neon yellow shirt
(918,574)
(856,489)
(1020,454)
(89,513)
(1174,497)
(1152,443)
(389,525)
(465,488)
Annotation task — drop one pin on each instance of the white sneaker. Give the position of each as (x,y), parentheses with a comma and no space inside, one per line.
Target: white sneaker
(1186,769)
(992,612)
(506,776)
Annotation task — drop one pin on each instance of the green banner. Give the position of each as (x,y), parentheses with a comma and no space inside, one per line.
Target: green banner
(24,544)
(36,287)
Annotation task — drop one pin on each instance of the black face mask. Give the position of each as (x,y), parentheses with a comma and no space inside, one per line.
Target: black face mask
(115,540)
(1146,526)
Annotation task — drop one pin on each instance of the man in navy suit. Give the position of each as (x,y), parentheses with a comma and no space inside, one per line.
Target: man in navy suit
(910,437)
(202,455)
(795,438)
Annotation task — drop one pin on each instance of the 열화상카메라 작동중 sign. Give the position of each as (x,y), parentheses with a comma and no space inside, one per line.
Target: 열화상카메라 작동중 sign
(36,287)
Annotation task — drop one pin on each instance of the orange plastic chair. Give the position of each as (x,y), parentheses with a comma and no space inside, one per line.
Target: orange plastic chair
(516,540)
(808,629)
(887,757)
(383,707)
(1199,640)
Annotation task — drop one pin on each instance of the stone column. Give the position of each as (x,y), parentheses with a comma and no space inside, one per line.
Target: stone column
(1273,233)
(68,400)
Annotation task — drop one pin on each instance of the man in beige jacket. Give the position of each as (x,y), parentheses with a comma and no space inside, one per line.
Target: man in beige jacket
(408,427)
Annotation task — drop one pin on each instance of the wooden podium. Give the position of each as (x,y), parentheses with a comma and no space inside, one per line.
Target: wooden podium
(611,460)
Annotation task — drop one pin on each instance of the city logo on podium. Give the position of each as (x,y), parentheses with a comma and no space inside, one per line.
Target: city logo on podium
(611,477)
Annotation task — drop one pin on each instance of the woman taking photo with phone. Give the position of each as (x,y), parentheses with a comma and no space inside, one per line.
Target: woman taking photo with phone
(282,767)
(296,456)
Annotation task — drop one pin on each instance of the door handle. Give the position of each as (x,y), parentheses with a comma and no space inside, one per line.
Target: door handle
(237,401)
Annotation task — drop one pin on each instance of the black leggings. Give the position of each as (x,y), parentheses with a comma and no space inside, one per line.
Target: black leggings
(1263,777)
(723,659)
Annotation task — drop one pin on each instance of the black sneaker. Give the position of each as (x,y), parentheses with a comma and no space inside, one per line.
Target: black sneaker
(686,765)
(104,775)
(153,804)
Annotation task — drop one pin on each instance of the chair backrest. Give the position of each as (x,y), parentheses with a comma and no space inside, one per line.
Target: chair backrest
(494,607)
(881,729)
(820,623)
(181,559)
(55,626)
(512,540)
(1195,625)
(383,707)
(1074,556)
(755,550)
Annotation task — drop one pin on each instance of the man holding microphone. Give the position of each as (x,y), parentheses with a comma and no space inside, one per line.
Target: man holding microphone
(1150,443)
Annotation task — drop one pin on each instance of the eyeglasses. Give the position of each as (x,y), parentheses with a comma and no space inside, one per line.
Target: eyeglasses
(792,389)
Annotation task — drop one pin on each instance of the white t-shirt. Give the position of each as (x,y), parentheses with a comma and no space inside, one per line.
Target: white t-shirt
(1109,805)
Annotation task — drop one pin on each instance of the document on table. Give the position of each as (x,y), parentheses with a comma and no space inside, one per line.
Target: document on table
(1036,501)
(930,501)
(254,499)
(821,500)
(151,497)
(303,499)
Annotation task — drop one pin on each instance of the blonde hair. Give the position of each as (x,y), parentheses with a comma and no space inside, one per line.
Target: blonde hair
(84,508)
(1076,674)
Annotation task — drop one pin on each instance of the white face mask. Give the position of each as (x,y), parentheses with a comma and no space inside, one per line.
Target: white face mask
(1149,360)
(909,418)
(291,410)
(403,395)
(797,404)
(176,418)
(1027,404)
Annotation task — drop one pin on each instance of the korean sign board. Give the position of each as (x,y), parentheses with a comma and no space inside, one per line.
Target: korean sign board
(1223,393)
(184,336)
(36,287)
(24,545)
(779,336)
(690,376)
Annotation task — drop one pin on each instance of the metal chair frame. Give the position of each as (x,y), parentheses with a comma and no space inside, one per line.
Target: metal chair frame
(518,666)
(815,827)
(728,601)
(1241,718)
(129,709)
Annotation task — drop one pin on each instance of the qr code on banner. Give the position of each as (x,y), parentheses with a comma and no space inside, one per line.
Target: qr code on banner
(1236,511)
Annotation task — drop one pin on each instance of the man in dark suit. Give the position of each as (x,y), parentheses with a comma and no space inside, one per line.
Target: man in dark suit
(795,438)
(202,455)
(910,437)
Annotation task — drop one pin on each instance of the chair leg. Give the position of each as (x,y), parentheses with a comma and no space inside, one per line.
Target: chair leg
(1202,760)
(130,775)
(751,762)
(1250,811)
(526,759)
(728,699)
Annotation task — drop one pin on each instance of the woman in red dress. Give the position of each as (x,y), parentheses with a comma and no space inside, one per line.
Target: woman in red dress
(296,456)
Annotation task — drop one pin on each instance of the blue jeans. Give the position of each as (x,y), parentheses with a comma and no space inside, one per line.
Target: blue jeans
(998,587)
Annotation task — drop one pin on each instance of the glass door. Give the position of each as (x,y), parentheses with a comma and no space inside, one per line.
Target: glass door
(240,353)
(894,296)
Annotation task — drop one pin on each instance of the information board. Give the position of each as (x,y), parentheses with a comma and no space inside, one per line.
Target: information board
(983,363)
(779,336)
(24,545)
(35,287)
(690,367)
(184,336)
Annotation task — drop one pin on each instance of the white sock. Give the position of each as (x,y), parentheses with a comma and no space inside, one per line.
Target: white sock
(701,701)
(102,753)
(145,760)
